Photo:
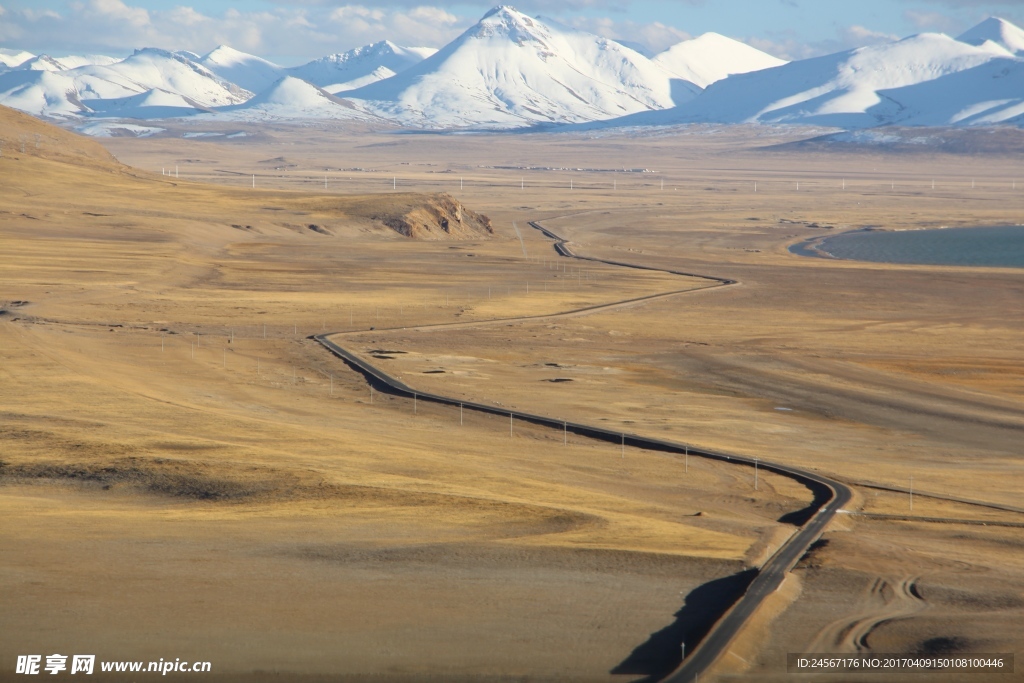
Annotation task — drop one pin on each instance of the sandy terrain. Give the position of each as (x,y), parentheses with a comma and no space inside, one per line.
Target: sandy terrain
(186,474)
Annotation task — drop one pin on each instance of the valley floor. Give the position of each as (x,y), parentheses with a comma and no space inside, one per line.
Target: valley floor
(187,474)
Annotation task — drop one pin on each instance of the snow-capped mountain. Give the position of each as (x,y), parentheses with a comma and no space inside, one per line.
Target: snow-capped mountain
(48,63)
(998,31)
(292,98)
(41,63)
(989,94)
(712,57)
(50,93)
(12,58)
(361,66)
(151,68)
(851,89)
(67,92)
(247,71)
(511,70)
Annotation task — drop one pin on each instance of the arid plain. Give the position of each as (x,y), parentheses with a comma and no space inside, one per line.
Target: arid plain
(187,474)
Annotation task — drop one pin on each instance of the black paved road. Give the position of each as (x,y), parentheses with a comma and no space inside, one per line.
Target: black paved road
(771,574)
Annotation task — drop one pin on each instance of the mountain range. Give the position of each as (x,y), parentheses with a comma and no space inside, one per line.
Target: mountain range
(513,71)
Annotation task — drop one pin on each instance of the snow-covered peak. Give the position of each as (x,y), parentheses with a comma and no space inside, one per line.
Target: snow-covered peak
(503,12)
(155,68)
(851,89)
(375,51)
(48,63)
(248,71)
(12,58)
(506,20)
(711,57)
(98,87)
(995,30)
(360,66)
(225,54)
(42,63)
(292,91)
(75,61)
(512,70)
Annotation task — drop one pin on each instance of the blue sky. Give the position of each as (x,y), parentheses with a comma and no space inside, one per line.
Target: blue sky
(295,31)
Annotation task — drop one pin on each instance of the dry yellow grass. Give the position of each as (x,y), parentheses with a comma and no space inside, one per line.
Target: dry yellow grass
(226,465)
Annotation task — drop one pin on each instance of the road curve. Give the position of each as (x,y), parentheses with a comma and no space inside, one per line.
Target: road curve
(769,576)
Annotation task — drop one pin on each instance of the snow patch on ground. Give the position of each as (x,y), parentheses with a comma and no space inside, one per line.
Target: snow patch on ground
(111,129)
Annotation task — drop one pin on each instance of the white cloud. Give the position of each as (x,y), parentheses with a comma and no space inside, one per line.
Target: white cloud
(788,45)
(116,10)
(290,34)
(859,36)
(307,29)
(356,12)
(933,21)
(654,36)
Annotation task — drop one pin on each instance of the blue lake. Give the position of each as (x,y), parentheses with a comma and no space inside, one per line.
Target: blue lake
(988,246)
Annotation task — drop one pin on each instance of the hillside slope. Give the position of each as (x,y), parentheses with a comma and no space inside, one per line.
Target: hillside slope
(71,187)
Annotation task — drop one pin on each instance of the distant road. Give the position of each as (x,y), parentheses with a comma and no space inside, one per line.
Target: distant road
(774,570)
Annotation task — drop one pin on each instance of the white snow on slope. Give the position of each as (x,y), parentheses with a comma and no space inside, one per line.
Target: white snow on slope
(12,58)
(712,57)
(115,129)
(989,94)
(248,71)
(511,70)
(68,92)
(291,98)
(55,93)
(998,31)
(42,63)
(841,90)
(151,68)
(361,66)
(48,63)
(152,104)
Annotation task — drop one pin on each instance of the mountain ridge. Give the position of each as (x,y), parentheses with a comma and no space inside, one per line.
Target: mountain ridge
(510,71)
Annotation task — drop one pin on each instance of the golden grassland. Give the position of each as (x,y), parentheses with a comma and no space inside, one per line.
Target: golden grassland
(186,473)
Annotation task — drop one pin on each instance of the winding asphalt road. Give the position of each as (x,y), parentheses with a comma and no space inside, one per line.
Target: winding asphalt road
(774,570)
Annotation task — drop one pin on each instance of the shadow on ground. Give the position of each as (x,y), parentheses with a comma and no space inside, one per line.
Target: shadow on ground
(822,494)
(703,607)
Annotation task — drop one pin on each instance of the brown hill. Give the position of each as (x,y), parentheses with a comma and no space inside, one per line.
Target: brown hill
(57,177)
(23,136)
